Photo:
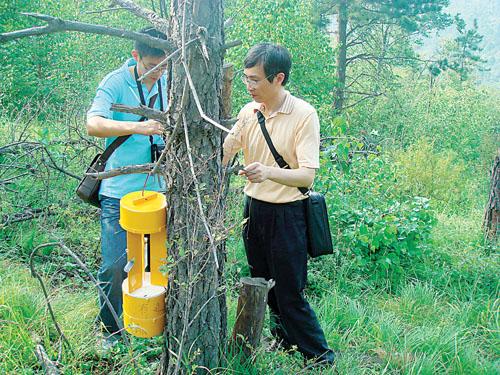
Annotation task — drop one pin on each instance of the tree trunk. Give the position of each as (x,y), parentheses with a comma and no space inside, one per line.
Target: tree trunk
(196,307)
(341,57)
(492,212)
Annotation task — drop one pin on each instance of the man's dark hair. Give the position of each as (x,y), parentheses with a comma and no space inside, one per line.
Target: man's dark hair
(274,58)
(144,49)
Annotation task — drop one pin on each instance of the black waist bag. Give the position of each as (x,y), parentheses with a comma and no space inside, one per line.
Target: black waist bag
(88,189)
(319,238)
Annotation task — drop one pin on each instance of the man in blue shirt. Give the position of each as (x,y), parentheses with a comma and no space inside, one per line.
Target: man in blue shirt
(121,87)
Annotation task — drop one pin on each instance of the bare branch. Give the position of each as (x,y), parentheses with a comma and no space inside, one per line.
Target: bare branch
(129,169)
(53,164)
(56,25)
(8,180)
(165,61)
(142,111)
(197,101)
(232,44)
(28,214)
(228,121)
(364,93)
(158,22)
(105,10)
(229,22)
(362,100)
(49,306)
(49,367)
(173,134)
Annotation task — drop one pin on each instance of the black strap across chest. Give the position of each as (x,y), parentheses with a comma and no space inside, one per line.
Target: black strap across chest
(279,159)
(141,93)
(121,139)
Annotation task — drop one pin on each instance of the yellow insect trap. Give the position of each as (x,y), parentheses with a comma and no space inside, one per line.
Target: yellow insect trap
(143,215)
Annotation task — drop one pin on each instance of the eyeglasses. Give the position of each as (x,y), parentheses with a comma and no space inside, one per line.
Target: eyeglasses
(150,66)
(160,69)
(253,82)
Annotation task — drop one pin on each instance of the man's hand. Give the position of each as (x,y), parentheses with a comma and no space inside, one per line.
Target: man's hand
(150,127)
(255,172)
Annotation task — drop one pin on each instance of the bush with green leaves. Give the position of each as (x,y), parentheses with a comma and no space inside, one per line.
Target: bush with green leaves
(383,231)
(439,175)
(386,241)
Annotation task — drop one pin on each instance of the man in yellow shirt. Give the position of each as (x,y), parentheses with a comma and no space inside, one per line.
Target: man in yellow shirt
(275,231)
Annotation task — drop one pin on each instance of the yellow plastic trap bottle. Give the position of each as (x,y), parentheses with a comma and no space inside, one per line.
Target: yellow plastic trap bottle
(143,215)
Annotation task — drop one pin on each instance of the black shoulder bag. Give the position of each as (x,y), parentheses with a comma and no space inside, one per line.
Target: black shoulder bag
(88,188)
(318,229)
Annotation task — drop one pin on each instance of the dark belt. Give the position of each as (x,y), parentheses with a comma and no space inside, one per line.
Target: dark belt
(270,204)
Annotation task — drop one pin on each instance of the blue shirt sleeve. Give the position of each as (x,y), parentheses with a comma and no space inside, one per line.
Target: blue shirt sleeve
(107,94)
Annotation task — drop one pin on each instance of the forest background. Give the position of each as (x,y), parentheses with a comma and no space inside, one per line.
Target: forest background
(413,284)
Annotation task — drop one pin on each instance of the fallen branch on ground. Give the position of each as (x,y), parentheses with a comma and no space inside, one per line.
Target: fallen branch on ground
(48,366)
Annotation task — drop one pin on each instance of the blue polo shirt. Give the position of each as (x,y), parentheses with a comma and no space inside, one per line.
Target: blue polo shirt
(119,87)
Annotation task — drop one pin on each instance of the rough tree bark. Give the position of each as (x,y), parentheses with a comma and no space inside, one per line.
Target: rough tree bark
(196,306)
(341,56)
(492,212)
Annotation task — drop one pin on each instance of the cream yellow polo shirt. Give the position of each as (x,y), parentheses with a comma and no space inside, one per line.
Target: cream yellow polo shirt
(294,130)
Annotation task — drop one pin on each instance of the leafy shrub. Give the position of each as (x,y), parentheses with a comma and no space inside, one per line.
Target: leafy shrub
(383,230)
(437,175)
(462,117)
(385,241)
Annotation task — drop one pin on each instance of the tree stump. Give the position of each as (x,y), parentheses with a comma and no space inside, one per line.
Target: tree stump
(250,314)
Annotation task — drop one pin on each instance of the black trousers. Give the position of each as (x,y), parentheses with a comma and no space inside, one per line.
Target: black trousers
(276,248)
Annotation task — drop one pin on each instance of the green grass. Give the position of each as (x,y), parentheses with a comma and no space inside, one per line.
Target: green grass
(442,318)
(25,322)
(25,319)
(438,323)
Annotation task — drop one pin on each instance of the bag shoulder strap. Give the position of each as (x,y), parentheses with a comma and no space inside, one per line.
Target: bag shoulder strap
(152,100)
(279,159)
(112,147)
(119,140)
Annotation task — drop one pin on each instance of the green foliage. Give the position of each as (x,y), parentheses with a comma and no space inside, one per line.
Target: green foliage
(463,54)
(386,242)
(413,16)
(436,175)
(384,232)
(61,69)
(312,75)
